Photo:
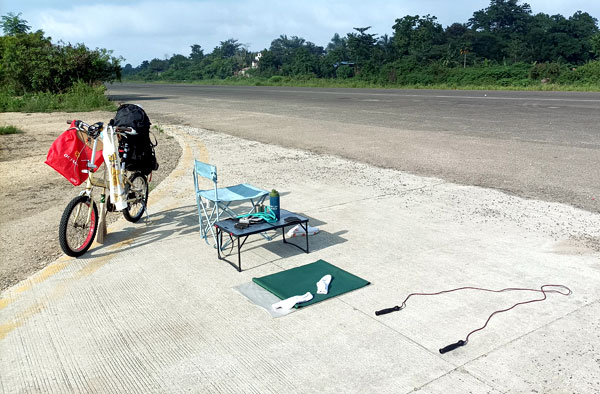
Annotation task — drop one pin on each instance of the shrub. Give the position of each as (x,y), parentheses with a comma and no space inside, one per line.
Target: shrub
(344,72)
(588,73)
(549,71)
(9,130)
(80,97)
(30,63)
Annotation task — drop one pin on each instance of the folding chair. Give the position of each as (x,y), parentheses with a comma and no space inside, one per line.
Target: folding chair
(220,199)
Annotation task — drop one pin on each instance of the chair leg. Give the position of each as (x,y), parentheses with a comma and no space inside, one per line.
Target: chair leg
(204,216)
(201,208)
(208,216)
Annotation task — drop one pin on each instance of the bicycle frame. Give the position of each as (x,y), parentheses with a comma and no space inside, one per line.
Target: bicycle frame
(128,190)
(102,182)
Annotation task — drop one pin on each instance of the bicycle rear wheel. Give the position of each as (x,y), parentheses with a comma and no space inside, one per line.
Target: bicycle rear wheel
(137,197)
(78,226)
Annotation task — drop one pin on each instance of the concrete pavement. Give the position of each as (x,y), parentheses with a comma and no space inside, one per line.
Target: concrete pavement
(153,310)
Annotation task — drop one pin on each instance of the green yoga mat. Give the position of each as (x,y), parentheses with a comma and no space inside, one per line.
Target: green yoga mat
(299,280)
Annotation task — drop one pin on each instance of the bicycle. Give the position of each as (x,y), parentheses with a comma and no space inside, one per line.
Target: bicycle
(79,221)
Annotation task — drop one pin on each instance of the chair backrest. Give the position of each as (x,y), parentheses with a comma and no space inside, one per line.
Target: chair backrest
(206,170)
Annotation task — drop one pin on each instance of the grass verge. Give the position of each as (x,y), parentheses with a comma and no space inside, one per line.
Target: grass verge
(81,97)
(10,130)
(356,83)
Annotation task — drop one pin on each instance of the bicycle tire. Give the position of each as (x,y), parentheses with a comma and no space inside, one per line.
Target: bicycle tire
(75,233)
(137,190)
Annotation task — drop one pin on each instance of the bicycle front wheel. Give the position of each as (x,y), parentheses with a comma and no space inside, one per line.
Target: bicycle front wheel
(137,197)
(78,226)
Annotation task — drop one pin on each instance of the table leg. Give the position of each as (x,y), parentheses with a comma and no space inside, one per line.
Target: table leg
(305,227)
(306,237)
(239,255)
(219,237)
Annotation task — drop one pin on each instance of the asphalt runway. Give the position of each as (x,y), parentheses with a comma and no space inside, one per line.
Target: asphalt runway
(540,145)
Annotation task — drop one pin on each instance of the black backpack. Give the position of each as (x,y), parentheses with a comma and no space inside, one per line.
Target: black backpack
(136,150)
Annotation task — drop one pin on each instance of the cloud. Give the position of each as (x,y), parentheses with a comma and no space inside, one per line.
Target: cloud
(148,29)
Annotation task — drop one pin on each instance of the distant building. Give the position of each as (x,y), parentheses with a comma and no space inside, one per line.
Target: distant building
(256,60)
(254,65)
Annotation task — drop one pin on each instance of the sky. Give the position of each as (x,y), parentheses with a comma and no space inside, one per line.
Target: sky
(141,30)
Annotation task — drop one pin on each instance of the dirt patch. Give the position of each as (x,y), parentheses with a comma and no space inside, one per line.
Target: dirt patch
(33,196)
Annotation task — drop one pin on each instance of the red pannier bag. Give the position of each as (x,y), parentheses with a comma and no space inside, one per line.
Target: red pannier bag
(69,154)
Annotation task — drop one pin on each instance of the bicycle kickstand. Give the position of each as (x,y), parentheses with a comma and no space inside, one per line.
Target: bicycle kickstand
(147,215)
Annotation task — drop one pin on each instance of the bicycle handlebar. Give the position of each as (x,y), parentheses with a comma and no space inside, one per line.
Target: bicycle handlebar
(79,124)
(94,130)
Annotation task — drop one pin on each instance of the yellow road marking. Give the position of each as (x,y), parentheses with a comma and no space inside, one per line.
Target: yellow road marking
(47,272)
(23,317)
(93,266)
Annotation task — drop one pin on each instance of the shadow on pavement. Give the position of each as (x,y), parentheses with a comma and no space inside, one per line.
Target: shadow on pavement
(185,220)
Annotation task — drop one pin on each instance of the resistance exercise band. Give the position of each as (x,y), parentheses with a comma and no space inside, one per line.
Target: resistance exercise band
(268,217)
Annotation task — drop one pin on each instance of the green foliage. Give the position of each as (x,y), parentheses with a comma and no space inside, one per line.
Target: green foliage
(546,71)
(419,37)
(503,17)
(30,63)
(344,72)
(361,46)
(80,97)
(595,45)
(197,53)
(503,45)
(158,128)
(13,25)
(584,75)
(4,130)
(507,84)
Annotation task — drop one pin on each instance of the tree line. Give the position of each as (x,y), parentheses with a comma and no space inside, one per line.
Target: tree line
(31,63)
(503,42)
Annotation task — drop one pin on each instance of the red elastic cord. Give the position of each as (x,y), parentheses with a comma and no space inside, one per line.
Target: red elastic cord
(560,289)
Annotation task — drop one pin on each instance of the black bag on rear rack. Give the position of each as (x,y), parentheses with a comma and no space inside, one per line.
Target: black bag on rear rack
(137,150)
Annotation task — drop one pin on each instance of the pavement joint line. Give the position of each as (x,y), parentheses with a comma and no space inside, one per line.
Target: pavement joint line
(465,364)
(530,332)
(454,370)
(372,317)
(419,345)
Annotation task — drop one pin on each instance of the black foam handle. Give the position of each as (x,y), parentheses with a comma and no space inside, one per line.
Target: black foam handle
(387,310)
(452,346)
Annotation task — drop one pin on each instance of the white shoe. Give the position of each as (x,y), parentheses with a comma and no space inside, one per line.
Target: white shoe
(298,231)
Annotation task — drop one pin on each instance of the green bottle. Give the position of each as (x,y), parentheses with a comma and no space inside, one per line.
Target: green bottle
(274,202)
